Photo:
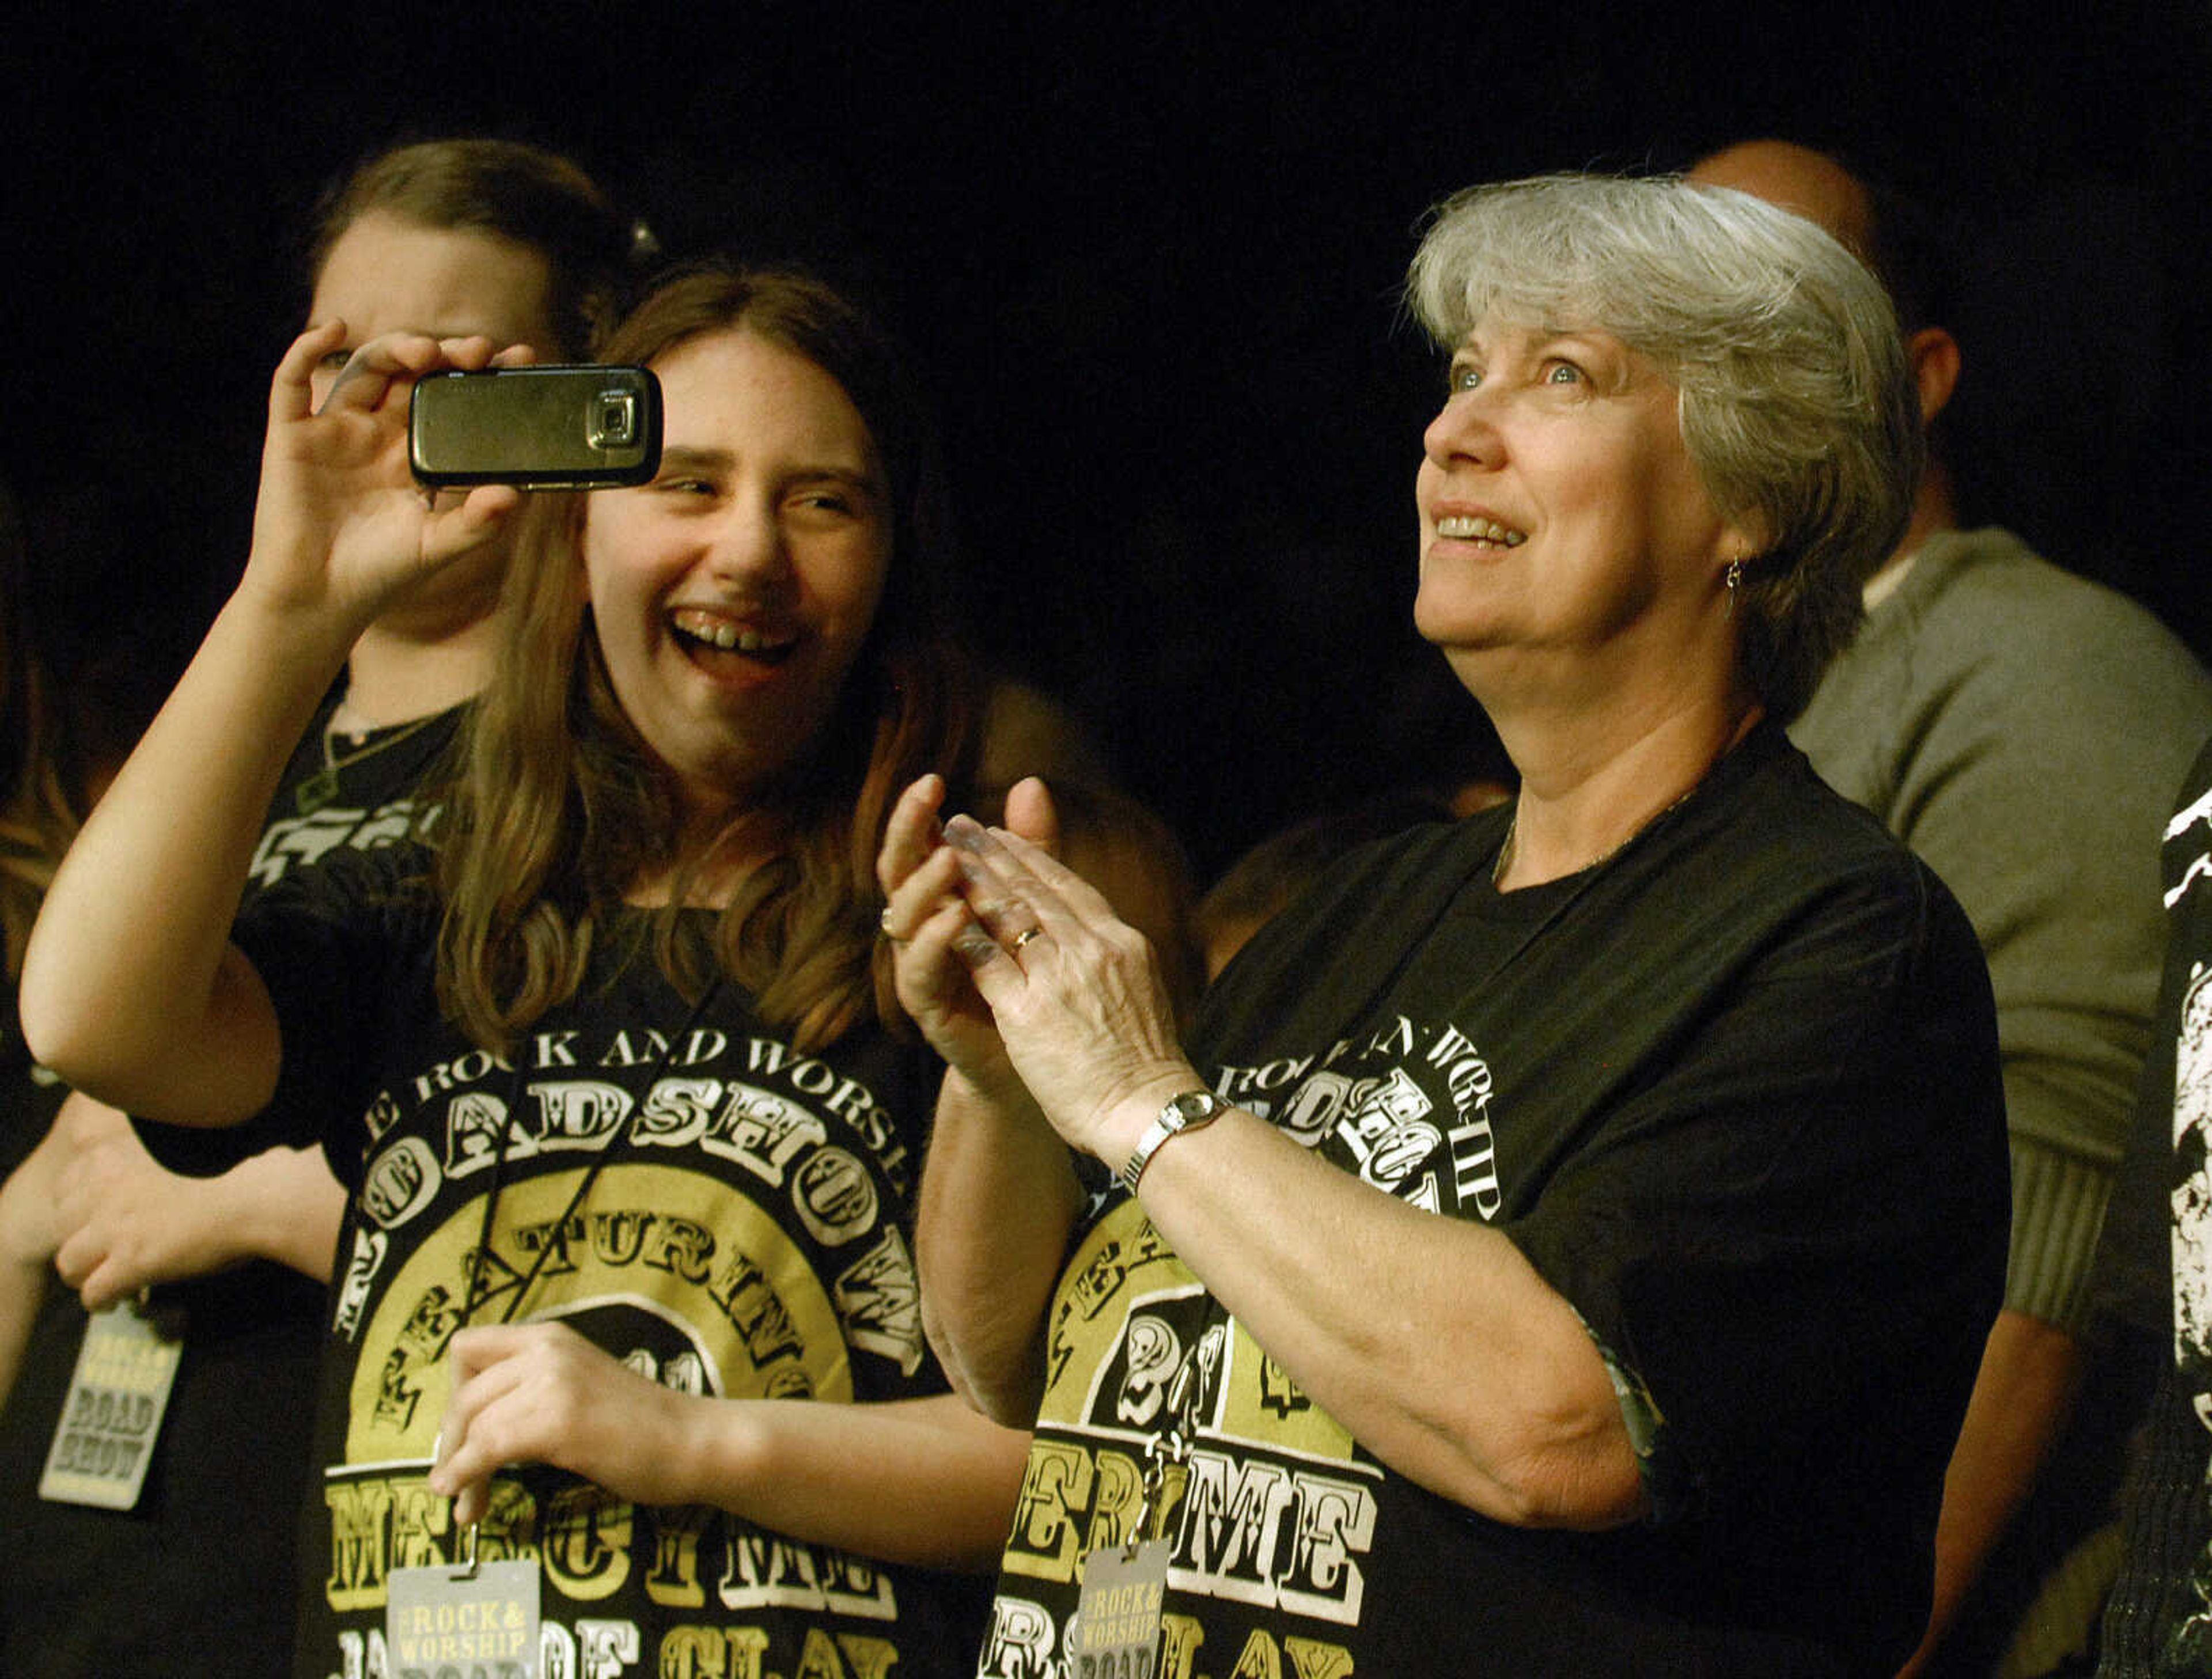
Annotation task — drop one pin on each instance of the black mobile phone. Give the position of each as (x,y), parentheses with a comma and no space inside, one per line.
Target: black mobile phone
(554,427)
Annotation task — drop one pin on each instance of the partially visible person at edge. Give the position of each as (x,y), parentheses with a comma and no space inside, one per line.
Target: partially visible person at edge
(2158,1620)
(1562,1246)
(1984,679)
(450,237)
(616,1078)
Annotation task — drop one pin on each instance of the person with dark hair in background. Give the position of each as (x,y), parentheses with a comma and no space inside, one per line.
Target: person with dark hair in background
(454,236)
(1277,871)
(2022,730)
(1563,1246)
(615,1071)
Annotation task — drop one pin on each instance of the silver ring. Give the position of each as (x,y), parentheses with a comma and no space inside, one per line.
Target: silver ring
(884,920)
(1024,937)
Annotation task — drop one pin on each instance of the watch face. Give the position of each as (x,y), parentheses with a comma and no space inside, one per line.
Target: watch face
(1195,1104)
(1178,1113)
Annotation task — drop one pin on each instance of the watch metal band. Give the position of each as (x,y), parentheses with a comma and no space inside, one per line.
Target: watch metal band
(1186,1112)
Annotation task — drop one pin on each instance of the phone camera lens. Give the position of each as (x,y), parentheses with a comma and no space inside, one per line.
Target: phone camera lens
(614,421)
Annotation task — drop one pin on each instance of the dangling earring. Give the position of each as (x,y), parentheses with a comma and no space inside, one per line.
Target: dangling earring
(1735,582)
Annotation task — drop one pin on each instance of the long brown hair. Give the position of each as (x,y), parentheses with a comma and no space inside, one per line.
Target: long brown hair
(41,795)
(563,808)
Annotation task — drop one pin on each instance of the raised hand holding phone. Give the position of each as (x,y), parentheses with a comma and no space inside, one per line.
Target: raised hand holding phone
(143,990)
(340,524)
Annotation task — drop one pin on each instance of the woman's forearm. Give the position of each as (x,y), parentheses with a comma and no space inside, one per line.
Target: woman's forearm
(22,1288)
(1433,1341)
(27,1248)
(923,1481)
(999,1199)
(291,1207)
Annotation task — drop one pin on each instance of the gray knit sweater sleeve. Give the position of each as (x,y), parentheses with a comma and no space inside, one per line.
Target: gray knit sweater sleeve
(2024,731)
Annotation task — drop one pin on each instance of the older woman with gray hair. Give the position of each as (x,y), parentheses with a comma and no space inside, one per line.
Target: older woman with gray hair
(1562,1241)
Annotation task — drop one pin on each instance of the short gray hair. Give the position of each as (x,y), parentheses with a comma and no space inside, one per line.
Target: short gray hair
(1797,404)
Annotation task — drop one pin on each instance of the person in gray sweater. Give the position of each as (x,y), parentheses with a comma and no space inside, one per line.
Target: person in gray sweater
(2024,730)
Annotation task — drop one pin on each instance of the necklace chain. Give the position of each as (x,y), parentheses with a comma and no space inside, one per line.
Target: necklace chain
(1505,857)
(369,748)
(319,789)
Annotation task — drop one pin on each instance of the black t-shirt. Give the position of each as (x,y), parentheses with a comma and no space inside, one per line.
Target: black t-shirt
(1733,1093)
(2162,1242)
(198,1576)
(677,1183)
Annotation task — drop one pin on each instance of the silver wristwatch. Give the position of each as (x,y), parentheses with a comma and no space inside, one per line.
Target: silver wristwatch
(1186,1112)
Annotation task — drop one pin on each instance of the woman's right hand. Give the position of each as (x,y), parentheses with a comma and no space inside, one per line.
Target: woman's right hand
(340,524)
(540,1393)
(122,1221)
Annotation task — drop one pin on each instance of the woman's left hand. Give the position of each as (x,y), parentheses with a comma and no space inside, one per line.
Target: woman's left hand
(540,1393)
(1076,991)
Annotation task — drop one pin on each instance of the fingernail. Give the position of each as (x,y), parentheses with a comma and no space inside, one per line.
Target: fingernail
(964,833)
(975,945)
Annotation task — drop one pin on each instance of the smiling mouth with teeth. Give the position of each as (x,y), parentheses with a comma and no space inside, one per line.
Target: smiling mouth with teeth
(1466,528)
(707,630)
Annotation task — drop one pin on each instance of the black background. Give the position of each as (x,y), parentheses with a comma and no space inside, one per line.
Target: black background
(1147,263)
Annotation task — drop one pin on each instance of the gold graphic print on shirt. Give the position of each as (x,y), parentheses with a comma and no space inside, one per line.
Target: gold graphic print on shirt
(1277,1505)
(685,1278)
